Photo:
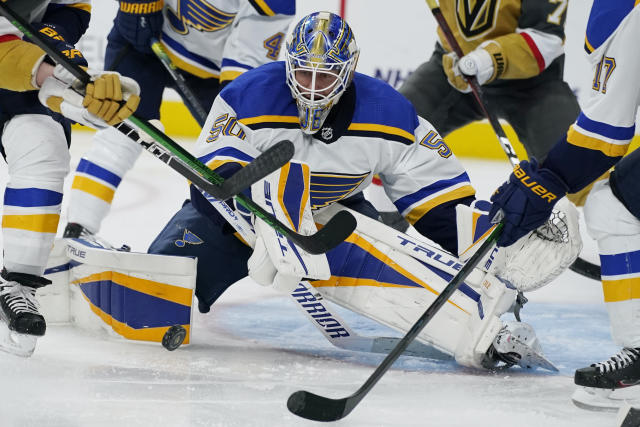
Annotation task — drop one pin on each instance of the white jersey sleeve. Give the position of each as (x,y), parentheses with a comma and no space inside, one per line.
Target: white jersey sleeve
(257,37)
(427,175)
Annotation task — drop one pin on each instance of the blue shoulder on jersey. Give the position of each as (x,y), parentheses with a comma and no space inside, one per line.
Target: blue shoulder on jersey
(273,7)
(261,98)
(604,18)
(382,111)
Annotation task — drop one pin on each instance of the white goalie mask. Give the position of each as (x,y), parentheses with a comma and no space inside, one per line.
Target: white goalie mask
(321,55)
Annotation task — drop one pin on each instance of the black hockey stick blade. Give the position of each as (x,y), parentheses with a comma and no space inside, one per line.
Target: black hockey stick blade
(319,408)
(268,161)
(338,228)
(587,269)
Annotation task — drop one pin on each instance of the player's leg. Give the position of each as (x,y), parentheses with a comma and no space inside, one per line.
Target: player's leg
(222,257)
(540,115)
(112,154)
(612,215)
(35,148)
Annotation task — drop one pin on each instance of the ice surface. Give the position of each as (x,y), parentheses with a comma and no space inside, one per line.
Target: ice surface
(254,349)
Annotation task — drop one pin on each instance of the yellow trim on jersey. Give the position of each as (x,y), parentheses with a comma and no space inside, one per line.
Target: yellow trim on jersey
(419,211)
(82,6)
(17,60)
(266,119)
(381,128)
(265,7)
(176,294)
(145,334)
(574,137)
(40,223)
(588,45)
(96,189)
(190,68)
(621,290)
(216,163)
(228,75)
(368,247)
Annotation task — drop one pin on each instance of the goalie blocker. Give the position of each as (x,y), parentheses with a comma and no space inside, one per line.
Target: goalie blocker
(132,295)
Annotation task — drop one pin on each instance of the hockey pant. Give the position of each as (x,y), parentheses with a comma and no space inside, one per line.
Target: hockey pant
(37,156)
(609,218)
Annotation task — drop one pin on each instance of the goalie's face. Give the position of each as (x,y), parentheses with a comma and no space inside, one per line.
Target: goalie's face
(321,56)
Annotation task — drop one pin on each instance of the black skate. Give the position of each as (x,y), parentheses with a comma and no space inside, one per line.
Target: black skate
(599,381)
(20,322)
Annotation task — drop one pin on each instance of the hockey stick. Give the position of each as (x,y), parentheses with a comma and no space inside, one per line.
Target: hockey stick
(319,408)
(334,232)
(182,87)
(580,266)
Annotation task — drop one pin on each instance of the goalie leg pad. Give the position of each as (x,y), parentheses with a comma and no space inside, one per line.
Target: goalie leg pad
(618,234)
(222,258)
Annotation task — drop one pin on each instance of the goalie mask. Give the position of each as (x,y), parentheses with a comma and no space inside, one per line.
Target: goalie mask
(321,55)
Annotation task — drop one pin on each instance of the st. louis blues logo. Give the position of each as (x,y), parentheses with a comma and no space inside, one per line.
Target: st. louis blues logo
(475,17)
(199,15)
(188,238)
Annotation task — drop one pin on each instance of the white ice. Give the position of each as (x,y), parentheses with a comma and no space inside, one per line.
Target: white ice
(254,349)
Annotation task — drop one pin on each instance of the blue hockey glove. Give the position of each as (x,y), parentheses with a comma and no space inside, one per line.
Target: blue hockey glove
(139,21)
(526,200)
(57,40)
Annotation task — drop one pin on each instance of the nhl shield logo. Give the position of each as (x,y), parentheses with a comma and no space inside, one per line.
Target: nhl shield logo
(476,17)
(327,133)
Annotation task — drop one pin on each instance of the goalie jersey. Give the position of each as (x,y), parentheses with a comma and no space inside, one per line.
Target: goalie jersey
(224,38)
(372,130)
(606,125)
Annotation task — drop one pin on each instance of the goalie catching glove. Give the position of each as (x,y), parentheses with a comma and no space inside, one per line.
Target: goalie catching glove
(276,260)
(99,105)
(535,259)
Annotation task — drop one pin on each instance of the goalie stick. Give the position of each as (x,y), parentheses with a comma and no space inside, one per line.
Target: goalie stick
(334,232)
(580,266)
(181,84)
(319,408)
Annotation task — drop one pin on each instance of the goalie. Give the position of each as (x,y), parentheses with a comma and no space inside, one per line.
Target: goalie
(346,128)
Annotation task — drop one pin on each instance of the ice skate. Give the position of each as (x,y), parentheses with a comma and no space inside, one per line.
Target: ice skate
(74,230)
(516,344)
(602,384)
(20,321)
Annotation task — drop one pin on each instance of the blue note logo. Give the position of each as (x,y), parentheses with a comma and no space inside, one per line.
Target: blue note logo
(188,238)
(199,15)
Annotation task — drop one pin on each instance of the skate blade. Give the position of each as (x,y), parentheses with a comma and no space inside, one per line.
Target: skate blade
(602,400)
(17,344)
(530,358)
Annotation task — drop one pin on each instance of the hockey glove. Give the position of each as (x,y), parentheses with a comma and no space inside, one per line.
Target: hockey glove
(526,200)
(57,41)
(107,100)
(139,22)
(481,63)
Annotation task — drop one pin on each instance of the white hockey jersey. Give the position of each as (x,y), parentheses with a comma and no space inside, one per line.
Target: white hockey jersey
(604,129)
(224,38)
(372,130)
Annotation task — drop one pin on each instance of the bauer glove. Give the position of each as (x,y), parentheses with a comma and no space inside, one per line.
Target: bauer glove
(483,63)
(139,22)
(526,200)
(107,100)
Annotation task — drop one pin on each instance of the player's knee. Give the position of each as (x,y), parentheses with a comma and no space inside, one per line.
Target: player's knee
(606,216)
(36,149)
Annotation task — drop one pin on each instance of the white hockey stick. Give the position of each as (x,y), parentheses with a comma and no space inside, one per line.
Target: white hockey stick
(316,309)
